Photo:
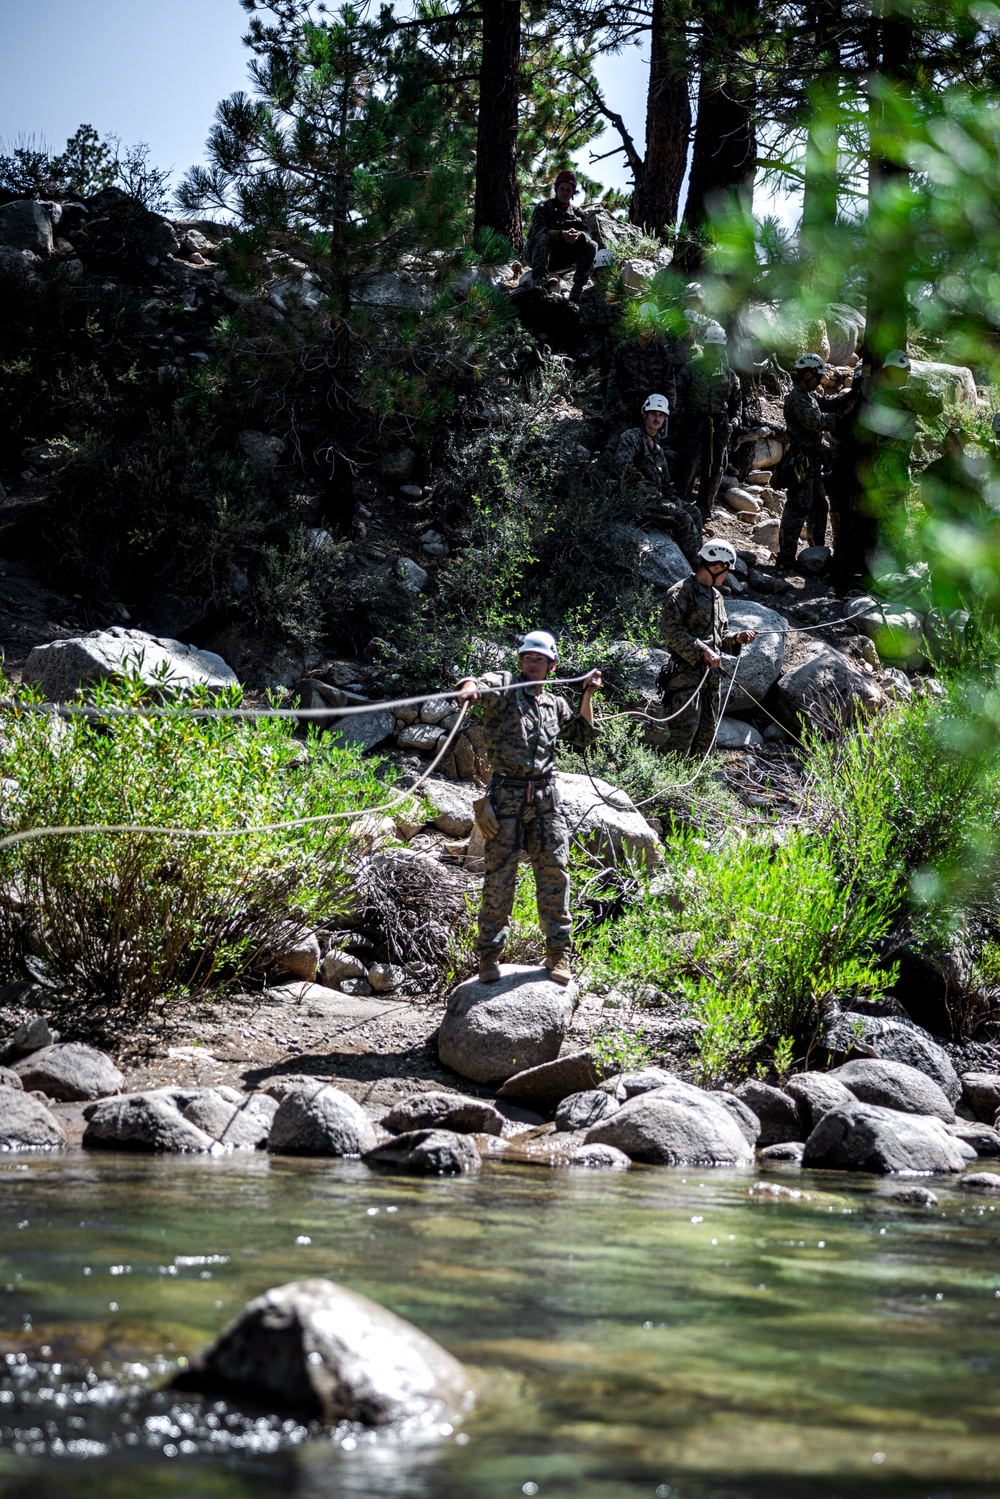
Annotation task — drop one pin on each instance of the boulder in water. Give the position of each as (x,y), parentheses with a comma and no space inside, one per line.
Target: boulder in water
(894,1085)
(677,1125)
(492,1031)
(866,1137)
(427,1152)
(321,1121)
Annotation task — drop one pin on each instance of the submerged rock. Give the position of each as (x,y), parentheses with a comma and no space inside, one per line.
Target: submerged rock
(911,1197)
(894,1085)
(678,1125)
(321,1121)
(324,1353)
(866,1137)
(491,1031)
(26,1124)
(785,1150)
(985,1182)
(427,1152)
(70,1072)
(447,1111)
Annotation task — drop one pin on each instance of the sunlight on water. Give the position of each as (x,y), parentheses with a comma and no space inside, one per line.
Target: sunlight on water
(663,1332)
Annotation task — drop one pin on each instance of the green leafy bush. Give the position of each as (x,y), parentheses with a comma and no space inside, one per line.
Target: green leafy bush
(119,922)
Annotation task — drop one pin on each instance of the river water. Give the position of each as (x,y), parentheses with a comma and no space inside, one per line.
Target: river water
(660,1332)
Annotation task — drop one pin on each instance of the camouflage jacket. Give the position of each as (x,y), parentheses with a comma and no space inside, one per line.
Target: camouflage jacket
(704,391)
(521,729)
(552,215)
(694,617)
(808,416)
(638,372)
(639,460)
(598,311)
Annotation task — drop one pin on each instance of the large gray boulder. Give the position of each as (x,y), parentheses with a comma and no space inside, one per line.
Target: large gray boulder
(324,1353)
(70,1072)
(427,1152)
(864,1137)
(26,225)
(743,1117)
(26,1124)
(826,686)
(444,1111)
(145,1121)
(952,384)
(776,1113)
(662,563)
(584,1110)
(491,1031)
(677,1125)
(982,1094)
(815,1094)
(895,1040)
(605,819)
(641,665)
(363,730)
(894,1085)
(552,1081)
(759,664)
(452,805)
(104,655)
(236,1126)
(321,1121)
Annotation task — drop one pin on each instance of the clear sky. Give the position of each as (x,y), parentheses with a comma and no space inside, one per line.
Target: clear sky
(154,70)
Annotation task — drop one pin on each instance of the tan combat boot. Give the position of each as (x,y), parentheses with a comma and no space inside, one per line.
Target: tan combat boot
(489,972)
(557,965)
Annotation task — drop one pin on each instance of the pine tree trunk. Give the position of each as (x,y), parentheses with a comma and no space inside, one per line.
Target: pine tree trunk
(819,195)
(888,228)
(668,124)
(725,140)
(498,203)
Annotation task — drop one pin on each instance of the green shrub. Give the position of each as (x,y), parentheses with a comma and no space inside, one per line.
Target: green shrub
(119,922)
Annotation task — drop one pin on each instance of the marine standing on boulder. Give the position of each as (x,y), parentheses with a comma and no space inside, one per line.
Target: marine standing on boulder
(807,417)
(641,365)
(710,395)
(521,807)
(694,628)
(645,485)
(558,238)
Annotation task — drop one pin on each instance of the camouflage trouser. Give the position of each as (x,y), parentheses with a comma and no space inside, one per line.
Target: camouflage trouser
(683,522)
(693,731)
(806,505)
(539,827)
(552,255)
(703,456)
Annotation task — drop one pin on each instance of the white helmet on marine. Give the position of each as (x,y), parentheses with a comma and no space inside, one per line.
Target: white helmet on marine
(896,359)
(656,403)
(694,289)
(714,333)
(716,552)
(810,362)
(541,643)
(603,259)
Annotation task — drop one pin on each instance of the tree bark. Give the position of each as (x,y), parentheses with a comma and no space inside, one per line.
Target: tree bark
(819,187)
(668,124)
(891,50)
(725,141)
(498,202)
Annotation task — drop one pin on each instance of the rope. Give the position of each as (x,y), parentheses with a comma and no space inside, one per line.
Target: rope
(33,834)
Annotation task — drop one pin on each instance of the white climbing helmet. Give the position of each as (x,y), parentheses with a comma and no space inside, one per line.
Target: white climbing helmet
(810,362)
(896,359)
(717,551)
(694,289)
(541,642)
(603,259)
(656,403)
(714,333)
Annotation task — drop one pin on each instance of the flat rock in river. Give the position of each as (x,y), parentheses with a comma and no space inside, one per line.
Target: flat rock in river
(26,1124)
(324,1353)
(678,1125)
(70,1072)
(321,1121)
(866,1137)
(894,1085)
(492,1031)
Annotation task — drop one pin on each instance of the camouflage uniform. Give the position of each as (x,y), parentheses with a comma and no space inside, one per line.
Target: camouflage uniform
(521,731)
(647,490)
(709,396)
(599,312)
(807,417)
(555,255)
(693,617)
(638,371)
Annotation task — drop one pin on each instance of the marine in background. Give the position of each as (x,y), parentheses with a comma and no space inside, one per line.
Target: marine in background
(710,400)
(694,627)
(641,365)
(521,807)
(558,238)
(599,311)
(808,417)
(646,490)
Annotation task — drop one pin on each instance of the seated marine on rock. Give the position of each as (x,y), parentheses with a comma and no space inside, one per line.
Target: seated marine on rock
(558,237)
(643,485)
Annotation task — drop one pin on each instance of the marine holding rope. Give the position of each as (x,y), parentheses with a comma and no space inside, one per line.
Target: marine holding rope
(521,807)
(695,629)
